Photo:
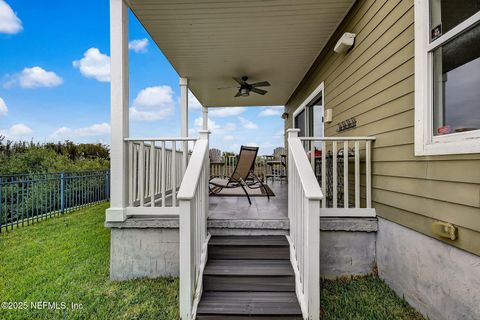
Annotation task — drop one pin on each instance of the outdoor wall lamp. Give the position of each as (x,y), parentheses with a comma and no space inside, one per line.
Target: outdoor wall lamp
(345,42)
(285,116)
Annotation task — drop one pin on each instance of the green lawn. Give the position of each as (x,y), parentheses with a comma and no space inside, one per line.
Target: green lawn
(363,298)
(66,259)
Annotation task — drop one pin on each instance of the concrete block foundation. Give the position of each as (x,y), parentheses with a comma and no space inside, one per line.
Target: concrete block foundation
(150,247)
(439,280)
(143,248)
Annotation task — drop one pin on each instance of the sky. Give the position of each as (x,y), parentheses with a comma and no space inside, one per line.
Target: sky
(55,82)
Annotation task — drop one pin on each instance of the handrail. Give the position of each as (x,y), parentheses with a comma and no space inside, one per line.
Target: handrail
(304,195)
(193,205)
(192,174)
(305,171)
(161,139)
(337,138)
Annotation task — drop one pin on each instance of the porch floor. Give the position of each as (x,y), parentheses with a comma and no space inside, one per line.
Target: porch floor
(238,208)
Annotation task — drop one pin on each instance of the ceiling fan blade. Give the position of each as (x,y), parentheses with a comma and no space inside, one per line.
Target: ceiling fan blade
(261,84)
(223,88)
(239,80)
(237,95)
(259,91)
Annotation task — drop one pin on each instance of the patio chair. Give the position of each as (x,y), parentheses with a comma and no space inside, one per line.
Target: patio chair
(242,176)
(278,164)
(217,162)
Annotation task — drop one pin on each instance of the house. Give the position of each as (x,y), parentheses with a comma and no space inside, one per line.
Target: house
(395,111)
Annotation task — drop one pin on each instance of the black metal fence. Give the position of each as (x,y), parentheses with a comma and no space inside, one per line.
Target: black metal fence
(29,198)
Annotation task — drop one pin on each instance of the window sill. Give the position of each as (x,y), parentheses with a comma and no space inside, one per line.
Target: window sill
(449,146)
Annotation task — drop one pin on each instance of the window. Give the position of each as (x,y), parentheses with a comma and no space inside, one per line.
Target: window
(309,116)
(447,77)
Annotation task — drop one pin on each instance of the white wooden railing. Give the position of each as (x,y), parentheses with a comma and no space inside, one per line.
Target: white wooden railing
(156,169)
(193,199)
(342,166)
(261,168)
(304,196)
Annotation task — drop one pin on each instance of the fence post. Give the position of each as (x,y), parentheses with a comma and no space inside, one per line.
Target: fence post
(107,182)
(62,192)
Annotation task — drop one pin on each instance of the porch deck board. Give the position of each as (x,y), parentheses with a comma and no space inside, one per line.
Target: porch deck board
(238,208)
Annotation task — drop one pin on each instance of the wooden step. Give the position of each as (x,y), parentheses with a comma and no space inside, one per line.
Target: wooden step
(249,275)
(249,268)
(236,305)
(252,284)
(248,248)
(248,241)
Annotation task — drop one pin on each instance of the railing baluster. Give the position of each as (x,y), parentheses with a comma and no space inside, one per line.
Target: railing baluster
(152,174)
(130,173)
(357,174)
(368,174)
(141,174)
(345,174)
(324,172)
(174,173)
(163,173)
(335,175)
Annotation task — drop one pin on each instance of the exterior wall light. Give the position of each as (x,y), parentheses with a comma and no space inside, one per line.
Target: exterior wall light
(345,42)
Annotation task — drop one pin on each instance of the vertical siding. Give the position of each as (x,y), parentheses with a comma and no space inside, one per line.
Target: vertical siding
(374,83)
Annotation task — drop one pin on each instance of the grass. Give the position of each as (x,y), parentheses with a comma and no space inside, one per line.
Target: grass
(66,259)
(363,298)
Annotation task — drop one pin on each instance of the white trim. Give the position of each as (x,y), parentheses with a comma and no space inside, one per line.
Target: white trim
(298,282)
(316,92)
(199,285)
(466,24)
(119,97)
(351,212)
(163,212)
(425,142)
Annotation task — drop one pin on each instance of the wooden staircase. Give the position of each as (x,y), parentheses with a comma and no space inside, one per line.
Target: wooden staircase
(248,277)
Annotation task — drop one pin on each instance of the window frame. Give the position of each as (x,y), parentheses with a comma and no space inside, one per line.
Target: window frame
(303,105)
(426,143)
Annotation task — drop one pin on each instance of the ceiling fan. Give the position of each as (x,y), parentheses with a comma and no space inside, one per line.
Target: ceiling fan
(245,88)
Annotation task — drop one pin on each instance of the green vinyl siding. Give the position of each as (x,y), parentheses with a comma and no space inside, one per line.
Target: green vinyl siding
(374,83)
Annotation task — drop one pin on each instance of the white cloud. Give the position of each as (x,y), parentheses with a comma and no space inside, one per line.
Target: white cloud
(139,45)
(193,102)
(251,144)
(9,22)
(18,130)
(226,112)
(99,129)
(228,138)
(153,103)
(247,124)
(3,108)
(94,64)
(213,126)
(271,111)
(34,77)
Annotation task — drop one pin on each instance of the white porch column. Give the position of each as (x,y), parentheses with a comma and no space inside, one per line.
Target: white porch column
(184,107)
(118,110)
(205,118)
(184,118)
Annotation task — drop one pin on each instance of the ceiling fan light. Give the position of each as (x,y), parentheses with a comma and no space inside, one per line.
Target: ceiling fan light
(244,92)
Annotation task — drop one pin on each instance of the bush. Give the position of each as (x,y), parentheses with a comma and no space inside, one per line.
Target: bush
(30,157)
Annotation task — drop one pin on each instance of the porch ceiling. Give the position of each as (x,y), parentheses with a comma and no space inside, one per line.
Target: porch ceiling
(211,41)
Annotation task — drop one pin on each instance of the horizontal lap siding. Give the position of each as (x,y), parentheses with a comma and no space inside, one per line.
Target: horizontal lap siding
(374,83)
